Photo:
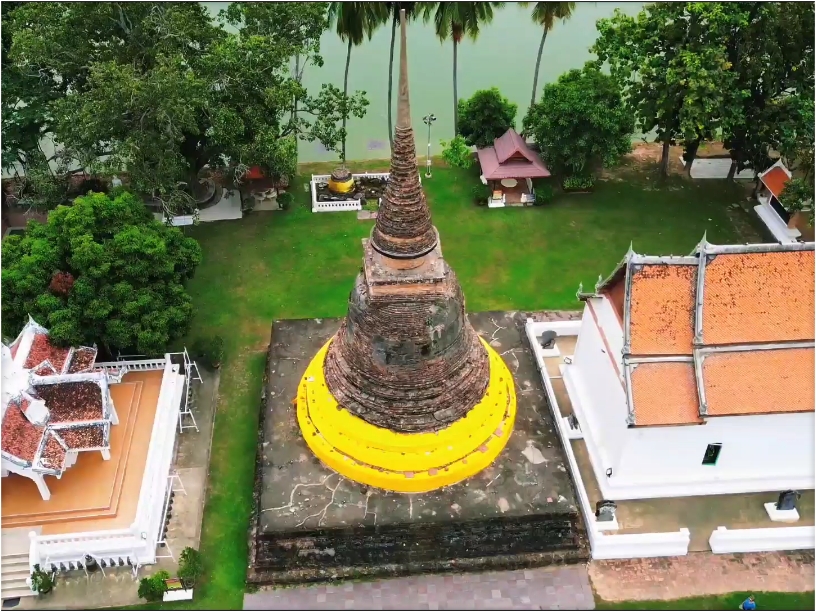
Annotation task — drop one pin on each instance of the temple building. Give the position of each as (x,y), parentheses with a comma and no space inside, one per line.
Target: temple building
(406,396)
(87,449)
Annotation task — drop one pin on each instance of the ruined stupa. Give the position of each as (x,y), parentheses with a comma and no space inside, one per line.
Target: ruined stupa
(406,396)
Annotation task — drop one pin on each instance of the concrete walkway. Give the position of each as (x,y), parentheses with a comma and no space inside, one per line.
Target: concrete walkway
(561,588)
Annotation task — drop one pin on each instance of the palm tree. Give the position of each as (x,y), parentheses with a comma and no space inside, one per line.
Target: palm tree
(545,14)
(394,8)
(456,20)
(353,22)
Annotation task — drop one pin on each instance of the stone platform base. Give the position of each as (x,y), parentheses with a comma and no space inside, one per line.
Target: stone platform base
(312,524)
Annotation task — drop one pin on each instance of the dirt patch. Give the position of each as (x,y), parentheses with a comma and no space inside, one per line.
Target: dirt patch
(645,156)
(667,578)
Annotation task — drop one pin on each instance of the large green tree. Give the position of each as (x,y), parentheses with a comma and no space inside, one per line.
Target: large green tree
(485,116)
(581,122)
(354,22)
(455,20)
(672,65)
(771,53)
(100,271)
(545,15)
(161,89)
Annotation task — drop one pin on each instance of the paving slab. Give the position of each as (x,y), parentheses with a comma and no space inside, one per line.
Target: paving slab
(563,588)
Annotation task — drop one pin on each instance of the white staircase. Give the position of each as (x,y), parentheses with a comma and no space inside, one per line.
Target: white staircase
(15,572)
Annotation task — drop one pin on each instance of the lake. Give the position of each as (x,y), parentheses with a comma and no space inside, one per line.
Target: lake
(504,56)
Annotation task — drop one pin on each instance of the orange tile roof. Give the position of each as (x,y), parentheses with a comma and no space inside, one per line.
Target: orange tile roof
(662,309)
(665,393)
(758,297)
(759,382)
(775,180)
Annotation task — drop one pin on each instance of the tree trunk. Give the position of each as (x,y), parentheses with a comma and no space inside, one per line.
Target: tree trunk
(455,94)
(538,64)
(690,154)
(297,78)
(664,158)
(390,82)
(345,104)
(733,170)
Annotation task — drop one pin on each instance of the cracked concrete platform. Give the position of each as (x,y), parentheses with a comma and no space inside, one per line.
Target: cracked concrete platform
(311,523)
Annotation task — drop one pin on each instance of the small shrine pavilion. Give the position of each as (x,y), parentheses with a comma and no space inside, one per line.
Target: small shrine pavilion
(509,167)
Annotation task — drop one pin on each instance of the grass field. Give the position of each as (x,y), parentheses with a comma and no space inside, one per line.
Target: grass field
(296,264)
(765,601)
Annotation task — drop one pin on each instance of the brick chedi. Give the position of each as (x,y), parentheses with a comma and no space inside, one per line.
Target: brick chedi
(406,365)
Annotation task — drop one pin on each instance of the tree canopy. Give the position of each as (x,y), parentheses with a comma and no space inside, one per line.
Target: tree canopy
(581,122)
(162,89)
(485,116)
(100,271)
(692,71)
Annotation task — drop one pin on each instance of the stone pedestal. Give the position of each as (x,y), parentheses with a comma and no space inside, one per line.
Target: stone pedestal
(781,516)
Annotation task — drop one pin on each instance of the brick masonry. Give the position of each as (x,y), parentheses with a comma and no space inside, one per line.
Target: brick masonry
(564,588)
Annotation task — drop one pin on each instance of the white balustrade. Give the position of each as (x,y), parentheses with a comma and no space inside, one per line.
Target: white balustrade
(341,205)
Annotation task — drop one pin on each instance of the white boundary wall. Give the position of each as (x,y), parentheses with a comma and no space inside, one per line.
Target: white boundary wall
(602,545)
(715,168)
(139,540)
(724,540)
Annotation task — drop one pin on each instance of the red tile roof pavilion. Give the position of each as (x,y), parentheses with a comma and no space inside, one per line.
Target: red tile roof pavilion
(510,157)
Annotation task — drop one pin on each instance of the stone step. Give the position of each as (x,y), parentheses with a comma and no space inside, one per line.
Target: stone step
(12,583)
(13,569)
(12,593)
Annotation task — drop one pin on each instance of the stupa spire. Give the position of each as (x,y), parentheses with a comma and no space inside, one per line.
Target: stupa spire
(404,229)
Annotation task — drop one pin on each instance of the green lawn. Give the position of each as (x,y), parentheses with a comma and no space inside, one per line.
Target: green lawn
(296,264)
(765,601)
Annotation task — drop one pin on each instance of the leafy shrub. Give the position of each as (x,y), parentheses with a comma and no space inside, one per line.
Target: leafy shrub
(41,581)
(481,193)
(285,200)
(543,194)
(456,153)
(191,566)
(485,116)
(579,183)
(209,350)
(153,588)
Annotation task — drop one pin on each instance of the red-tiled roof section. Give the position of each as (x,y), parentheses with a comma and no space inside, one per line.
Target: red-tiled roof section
(665,393)
(509,144)
(662,309)
(82,360)
(759,382)
(775,180)
(42,349)
(758,297)
(21,438)
(72,402)
(90,436)
(53,455)
(510,157)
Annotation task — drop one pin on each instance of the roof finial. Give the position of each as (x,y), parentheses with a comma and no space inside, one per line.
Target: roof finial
(630,253)
(403,102)
(700,248)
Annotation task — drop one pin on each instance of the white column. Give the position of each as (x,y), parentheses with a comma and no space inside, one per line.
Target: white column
(114,416)
(39,480)
(4,472)
(105,454)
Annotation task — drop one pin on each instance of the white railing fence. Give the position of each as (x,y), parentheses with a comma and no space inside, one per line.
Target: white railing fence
(341,205)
